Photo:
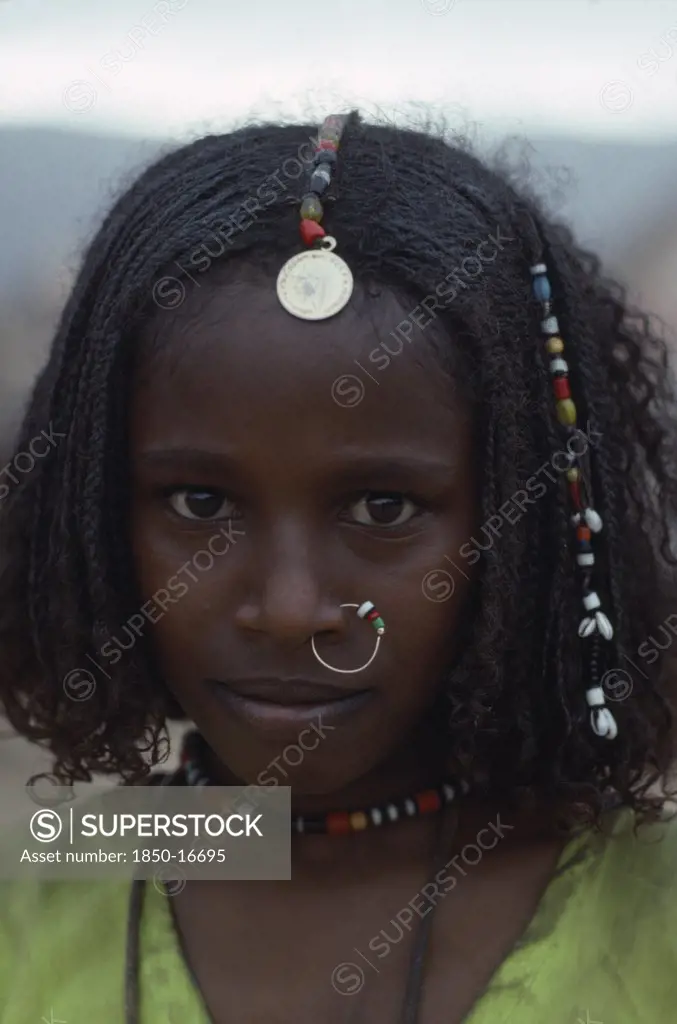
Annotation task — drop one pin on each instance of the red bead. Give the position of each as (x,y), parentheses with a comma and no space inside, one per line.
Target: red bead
(561,386)
(327,144)
(575,494)
(338,824)
(372,615)
(583,533)
(311,231)
(428,801)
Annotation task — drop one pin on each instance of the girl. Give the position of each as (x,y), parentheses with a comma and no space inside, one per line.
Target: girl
(395,494)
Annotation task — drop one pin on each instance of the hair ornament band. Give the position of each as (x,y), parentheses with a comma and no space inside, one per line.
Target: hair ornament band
(317,284)
(594,625)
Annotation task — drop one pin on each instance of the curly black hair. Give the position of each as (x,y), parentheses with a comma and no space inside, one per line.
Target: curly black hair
(407,207)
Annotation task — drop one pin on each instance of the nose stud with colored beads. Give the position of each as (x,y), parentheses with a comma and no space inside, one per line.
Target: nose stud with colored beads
(365,611)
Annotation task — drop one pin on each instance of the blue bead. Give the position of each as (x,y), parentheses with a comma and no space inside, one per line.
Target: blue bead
(584,547)
(319,182)
(325,156)
(542,289)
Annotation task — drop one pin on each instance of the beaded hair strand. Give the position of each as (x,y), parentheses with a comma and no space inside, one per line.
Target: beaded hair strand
(595,624)
(585,520)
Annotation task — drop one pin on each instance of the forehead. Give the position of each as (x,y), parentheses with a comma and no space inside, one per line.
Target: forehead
(235,366)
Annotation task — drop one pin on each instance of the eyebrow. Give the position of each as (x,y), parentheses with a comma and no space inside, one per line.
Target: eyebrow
(197,457)
(356,461)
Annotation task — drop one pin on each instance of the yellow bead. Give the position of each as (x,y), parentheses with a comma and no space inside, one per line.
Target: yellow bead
(566,412)
(573,475)
(358,821)
(311,209)
(554,345)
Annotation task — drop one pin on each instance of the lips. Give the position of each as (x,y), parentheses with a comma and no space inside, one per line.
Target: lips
(287,692)
(281,708)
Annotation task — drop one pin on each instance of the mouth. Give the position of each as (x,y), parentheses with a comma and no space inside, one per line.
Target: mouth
(284,704)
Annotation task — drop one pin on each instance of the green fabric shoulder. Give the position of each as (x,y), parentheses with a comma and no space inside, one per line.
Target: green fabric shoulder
(603,943)
(62,950)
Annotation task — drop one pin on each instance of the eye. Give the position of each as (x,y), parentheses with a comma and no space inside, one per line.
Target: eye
(384,509)
(201,504)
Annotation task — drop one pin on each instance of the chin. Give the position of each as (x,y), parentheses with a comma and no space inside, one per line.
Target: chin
(315,751)
(255,760)
(317,776)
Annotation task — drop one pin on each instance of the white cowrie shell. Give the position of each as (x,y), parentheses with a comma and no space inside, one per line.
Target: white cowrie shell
(587,627)
(604,626)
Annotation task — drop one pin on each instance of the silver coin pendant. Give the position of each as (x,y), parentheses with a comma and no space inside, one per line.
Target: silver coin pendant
(315,284)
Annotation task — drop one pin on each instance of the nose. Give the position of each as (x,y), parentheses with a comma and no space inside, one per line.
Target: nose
(290,602)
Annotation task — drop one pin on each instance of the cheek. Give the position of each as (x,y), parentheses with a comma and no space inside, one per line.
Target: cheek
(425,600)
(182,579)
(423,616)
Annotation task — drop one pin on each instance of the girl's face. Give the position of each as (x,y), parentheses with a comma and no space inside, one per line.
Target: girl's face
(266,496)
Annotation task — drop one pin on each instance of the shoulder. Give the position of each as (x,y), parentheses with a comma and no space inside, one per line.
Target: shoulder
(56,904)
(629,905)
(602,945)
(54,932)
(641,853)
(26,901)
(46,913)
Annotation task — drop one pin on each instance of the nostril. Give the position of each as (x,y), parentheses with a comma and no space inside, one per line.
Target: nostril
(293,620)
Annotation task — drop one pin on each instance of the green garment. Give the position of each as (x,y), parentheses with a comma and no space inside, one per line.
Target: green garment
(602,946)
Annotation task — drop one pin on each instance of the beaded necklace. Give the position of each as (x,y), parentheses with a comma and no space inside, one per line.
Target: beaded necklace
(334,823)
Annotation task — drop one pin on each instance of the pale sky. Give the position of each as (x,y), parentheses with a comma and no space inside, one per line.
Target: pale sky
(606,68)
